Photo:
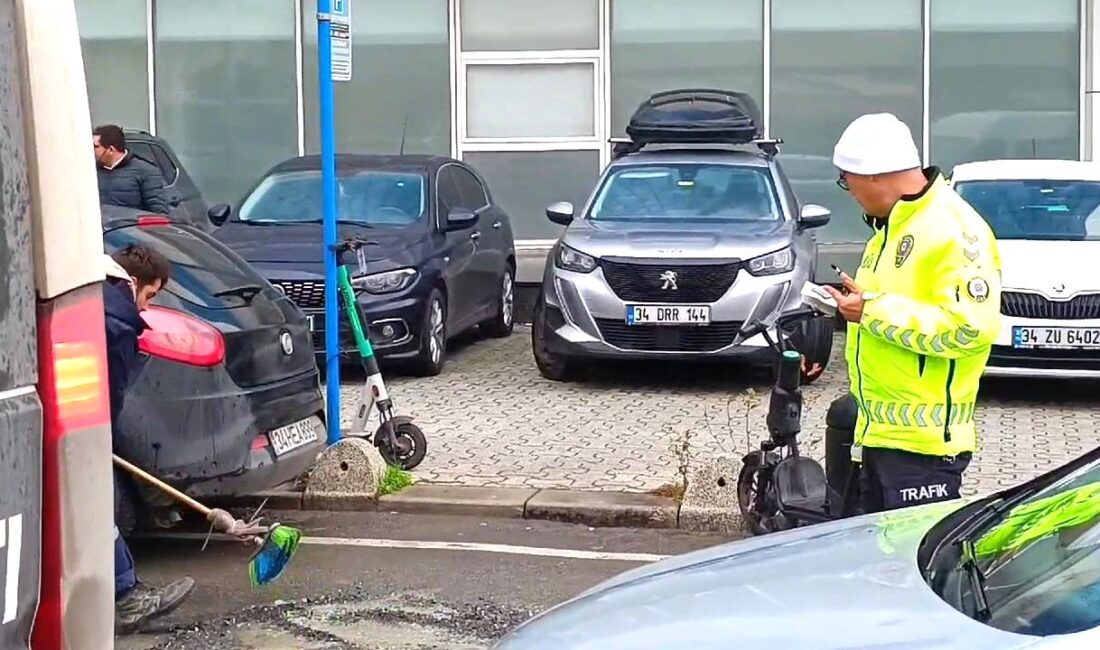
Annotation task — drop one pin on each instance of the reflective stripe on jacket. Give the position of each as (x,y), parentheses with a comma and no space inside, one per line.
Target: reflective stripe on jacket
(931,276)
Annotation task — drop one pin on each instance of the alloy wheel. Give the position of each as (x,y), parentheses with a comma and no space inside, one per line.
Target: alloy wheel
(435,332)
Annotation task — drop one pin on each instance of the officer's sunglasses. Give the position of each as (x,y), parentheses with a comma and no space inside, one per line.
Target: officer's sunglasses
(842,181)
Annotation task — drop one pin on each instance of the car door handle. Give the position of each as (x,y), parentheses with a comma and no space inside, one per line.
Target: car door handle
(497,224)
(475,236)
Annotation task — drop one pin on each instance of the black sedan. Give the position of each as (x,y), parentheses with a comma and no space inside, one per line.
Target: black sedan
(441,257)
(226,397)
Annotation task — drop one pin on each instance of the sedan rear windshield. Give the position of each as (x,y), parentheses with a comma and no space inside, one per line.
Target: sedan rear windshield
(1037,209)
(696,192)
(372,198)
(204,272)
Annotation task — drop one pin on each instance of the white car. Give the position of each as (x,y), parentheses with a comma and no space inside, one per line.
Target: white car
(1046,216)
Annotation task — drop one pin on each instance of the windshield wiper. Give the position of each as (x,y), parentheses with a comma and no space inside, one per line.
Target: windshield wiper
(299,222)
(976,577)
(245,292)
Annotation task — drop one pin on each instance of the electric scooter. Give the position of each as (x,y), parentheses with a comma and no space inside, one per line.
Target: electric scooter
(777,487)
(400,442)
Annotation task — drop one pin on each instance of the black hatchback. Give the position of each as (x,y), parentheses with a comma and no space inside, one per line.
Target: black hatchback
(440,258)
(226,397)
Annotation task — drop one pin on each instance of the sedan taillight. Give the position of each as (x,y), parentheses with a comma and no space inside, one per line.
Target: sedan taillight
(176,336)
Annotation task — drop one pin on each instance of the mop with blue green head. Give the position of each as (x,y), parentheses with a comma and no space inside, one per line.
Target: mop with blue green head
(275,543)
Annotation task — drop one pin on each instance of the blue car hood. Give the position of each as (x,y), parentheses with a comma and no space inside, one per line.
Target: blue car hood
(301,246)
(845,584)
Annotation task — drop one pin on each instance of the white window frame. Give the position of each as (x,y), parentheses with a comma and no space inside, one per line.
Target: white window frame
(520,60)
(597,58)
(598,143)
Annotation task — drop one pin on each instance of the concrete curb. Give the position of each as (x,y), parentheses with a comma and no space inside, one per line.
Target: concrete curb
(598,509)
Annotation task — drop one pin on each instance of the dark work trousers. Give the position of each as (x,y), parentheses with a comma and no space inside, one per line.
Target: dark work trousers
(888,478)
(892,479)
(125,577)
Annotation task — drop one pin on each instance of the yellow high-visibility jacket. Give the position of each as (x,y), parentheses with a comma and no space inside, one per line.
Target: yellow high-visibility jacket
(932,291)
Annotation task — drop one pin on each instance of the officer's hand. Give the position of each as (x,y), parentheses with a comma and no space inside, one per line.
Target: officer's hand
(850,302)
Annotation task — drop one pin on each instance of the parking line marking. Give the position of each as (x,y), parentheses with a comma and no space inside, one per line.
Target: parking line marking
(475,547)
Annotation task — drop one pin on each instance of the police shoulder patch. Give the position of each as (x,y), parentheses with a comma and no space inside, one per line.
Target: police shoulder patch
(905,247)
(978,289)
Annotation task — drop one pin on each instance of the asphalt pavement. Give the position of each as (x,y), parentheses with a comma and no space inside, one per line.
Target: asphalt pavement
(393,582)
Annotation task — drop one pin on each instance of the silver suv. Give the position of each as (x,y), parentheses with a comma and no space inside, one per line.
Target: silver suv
(685,230)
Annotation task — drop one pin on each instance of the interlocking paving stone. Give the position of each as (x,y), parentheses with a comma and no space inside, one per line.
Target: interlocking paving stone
(492,420)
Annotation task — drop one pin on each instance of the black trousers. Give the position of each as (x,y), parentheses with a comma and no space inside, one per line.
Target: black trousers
(888,478)
(891,479)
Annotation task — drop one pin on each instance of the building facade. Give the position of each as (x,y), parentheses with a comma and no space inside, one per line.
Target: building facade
(529,92)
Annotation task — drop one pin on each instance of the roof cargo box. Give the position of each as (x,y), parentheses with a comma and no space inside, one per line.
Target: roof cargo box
(696,116)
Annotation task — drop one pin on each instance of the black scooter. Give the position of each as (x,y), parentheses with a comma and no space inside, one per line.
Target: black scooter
(777,488)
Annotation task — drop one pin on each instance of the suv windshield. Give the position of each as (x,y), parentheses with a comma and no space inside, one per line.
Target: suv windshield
(1035,568)
(1037,209)
(371,198)
(697,192)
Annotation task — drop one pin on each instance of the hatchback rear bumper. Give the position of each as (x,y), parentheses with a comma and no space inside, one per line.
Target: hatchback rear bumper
(196,429)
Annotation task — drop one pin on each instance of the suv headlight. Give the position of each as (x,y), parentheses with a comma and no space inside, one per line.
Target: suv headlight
(781,261)
(385,282)
(573,260)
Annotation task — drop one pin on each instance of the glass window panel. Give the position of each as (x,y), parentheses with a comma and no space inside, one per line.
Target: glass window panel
(1005,80)
(823,78)
(535,100)
(401,82)
(495,25)
(665,44)
(116,56)
(525,183)
(226,95)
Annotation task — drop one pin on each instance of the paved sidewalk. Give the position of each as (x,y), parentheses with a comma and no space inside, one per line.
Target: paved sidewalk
(491,420)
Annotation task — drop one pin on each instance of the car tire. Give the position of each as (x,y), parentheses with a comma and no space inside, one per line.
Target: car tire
(815,342)
(503,322)
(433,337)
(551,366)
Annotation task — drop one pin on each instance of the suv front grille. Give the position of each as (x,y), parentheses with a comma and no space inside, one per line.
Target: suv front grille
(668,338)
(1032,305)
(307,294)
(695,283)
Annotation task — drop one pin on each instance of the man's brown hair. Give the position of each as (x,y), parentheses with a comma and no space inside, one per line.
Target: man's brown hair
(144,264)
(111,135)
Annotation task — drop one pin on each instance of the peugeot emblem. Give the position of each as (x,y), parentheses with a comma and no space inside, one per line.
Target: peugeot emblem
(1059,288)
(668,281)
(287,342)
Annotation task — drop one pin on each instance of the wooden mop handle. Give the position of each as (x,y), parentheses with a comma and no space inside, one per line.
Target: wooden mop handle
(157,483)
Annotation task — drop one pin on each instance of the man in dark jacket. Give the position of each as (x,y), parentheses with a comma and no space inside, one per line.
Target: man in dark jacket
(134,276)
(124,180)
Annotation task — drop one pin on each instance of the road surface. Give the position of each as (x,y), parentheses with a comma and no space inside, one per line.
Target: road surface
(451,582)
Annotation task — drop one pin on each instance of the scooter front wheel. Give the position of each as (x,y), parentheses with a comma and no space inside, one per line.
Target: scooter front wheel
(759,512)
(409,445)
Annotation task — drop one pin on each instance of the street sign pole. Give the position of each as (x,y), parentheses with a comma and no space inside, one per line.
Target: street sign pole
(329,216)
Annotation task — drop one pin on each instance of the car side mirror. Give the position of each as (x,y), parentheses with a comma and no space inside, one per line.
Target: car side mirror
(461,218)
(219,214)
(814,216)
(560,213)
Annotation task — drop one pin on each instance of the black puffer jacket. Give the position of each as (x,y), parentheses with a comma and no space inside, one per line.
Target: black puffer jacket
(133,183)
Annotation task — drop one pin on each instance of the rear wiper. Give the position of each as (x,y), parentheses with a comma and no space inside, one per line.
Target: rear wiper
(245,292)
(976,577)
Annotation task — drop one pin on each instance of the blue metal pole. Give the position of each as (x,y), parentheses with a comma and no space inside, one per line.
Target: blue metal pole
(328,179)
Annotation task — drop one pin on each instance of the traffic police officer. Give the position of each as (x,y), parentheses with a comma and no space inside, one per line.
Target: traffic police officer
(923,310)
